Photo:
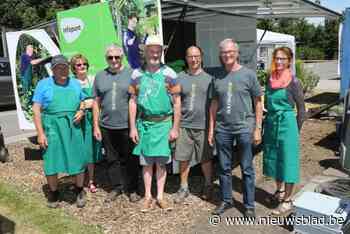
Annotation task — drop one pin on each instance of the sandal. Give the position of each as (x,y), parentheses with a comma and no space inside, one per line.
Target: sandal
(283,209)
(92,187)
(277,196)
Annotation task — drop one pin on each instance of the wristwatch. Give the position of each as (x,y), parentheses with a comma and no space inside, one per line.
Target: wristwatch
(258,126)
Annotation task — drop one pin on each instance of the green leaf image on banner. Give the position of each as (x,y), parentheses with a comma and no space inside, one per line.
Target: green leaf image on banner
(87,30)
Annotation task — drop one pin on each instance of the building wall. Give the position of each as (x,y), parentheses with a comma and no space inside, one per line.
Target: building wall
(212,30)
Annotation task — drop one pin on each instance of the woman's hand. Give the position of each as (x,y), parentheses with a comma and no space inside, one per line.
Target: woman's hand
(42,140)
(78,116)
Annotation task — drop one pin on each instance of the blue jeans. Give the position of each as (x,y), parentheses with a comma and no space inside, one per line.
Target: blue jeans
(224,145)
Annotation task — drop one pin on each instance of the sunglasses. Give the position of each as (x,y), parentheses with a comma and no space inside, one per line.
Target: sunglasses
(114,57)
(81,64)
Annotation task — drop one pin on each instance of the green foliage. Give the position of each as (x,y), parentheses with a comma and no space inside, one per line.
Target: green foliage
(314,42)
(307,53)
(177,65)
(308,79)
(19,14)
(262,76)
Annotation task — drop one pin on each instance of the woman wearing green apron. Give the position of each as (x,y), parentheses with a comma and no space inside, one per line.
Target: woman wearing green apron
(158,118)
(281,129)
(58,109)
(79,66)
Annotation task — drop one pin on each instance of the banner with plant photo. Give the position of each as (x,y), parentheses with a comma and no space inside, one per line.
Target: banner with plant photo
(29,52)
(135,20)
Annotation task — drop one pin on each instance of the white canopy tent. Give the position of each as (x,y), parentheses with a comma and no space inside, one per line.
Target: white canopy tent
(270,41)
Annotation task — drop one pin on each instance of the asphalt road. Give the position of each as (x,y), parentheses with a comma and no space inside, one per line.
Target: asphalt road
(10,128)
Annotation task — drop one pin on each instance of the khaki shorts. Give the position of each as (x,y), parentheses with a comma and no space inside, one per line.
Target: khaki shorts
(192,144)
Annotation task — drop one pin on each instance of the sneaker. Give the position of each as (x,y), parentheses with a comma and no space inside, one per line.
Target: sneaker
(207,193)
(52,199)
(134,197)
(249,213)
(163,204)
(81,199)
(112,196)
(147,204)
(181,194)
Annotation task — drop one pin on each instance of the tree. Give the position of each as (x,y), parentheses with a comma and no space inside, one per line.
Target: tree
(19,14)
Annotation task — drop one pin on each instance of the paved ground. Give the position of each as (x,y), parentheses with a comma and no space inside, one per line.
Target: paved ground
(10,128)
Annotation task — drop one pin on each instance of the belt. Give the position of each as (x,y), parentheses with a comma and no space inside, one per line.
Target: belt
(156,118)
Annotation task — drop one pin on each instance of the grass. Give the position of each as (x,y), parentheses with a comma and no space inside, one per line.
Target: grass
(28,209)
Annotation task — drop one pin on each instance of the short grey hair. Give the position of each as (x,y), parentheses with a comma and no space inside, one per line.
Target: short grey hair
(226,41)
(113,47)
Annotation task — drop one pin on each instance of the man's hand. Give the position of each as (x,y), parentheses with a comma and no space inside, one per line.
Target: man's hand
(97,133)
(173,134)
(42,140)
(257,136)
(78,116)
(134,135)
(211,138)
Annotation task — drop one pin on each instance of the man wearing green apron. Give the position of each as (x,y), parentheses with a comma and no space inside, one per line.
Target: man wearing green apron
(58,109)
(156,101)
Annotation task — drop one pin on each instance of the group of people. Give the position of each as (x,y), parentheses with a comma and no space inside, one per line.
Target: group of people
(138,114)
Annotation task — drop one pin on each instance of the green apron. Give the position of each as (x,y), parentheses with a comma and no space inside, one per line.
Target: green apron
(65,140)
(26,79)
(281,138)
(153,101)
(92,146)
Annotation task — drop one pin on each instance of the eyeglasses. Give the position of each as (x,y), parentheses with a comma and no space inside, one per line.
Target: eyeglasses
(281,59)
(81,64)
(229,52)
(110,57)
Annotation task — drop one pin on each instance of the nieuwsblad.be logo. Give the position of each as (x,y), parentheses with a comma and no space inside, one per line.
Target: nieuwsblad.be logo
(71,28)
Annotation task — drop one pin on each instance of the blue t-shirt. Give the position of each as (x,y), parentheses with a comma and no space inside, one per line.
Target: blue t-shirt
(43,93)
(25,61)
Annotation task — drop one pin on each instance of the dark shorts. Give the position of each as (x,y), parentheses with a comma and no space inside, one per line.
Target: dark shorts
(148,161)
(192,144)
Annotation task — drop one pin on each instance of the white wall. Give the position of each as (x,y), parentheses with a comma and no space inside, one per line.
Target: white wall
(212,30)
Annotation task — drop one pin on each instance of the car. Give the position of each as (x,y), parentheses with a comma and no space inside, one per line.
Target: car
(7,96)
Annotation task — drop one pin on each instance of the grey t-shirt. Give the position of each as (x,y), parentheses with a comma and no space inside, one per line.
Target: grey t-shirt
(235,92)
(112,88)
(194,99)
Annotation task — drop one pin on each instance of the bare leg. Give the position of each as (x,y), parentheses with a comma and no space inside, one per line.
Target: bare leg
(279,185)
(184,171)
(91,172)
(52,182)
(79,180)
(289,191)
(147,178)
(161,178)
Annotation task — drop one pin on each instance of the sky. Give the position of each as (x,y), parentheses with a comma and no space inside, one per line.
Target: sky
(335,5)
